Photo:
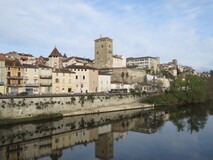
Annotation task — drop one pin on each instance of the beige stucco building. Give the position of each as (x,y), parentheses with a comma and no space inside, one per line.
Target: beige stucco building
(14,76)
(45,79)
(104,52)
(86,78)
(63,81)
(2,74)
(31,78)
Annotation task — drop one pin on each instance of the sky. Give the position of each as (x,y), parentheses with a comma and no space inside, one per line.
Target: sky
(169,29)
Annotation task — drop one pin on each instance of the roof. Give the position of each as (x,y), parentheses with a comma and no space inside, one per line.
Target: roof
(43,66)
(117,56)
(2,57)
(24,54)
(13,63)
(63,70)
(30,66)
(77,58)
(55,53)
(73,66)
(103,38)
(131,58)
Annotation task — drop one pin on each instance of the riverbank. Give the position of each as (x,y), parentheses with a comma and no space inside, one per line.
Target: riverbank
(37,108)
(58,116)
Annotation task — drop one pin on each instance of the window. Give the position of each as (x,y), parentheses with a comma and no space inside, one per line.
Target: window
(76,77)
(102,45)
(82,85)
(97,52)
(56,80)
(8,68)
(83,77)
(8,74)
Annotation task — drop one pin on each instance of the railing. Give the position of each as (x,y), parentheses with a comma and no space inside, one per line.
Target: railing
(45,77)
(15,85)
(15,77)
(45,84)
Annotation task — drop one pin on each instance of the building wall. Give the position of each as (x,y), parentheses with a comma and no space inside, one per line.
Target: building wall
(31,80)
(119,62)
(93,80)
(134,75)
(2,77)
(14,84)
(104,83)
(82,80)
(104,52)
(63,82)
(144,62)
(45,80)
(55,62)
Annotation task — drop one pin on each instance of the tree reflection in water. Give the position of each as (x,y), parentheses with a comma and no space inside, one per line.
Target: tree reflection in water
(49,139)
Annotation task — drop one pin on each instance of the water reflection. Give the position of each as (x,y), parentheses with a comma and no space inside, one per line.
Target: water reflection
(49,139)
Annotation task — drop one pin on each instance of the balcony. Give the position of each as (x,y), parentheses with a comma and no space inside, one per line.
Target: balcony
(45,84)
(45,77)
(14,85)
(15,77)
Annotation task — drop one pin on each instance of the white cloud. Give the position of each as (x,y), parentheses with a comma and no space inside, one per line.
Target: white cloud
(169,29)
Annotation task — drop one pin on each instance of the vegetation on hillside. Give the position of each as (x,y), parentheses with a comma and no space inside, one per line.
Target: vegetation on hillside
(184,90)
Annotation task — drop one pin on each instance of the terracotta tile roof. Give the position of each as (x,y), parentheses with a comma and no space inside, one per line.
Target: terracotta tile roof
(55,53)
(2,57)
(13,63)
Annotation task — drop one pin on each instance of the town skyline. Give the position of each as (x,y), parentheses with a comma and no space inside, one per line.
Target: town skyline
(165,29)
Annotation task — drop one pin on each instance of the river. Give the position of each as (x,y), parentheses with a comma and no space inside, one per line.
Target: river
(176,133)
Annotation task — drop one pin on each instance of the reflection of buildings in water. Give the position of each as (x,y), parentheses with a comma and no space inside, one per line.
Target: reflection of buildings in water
(103,136)
(104,146)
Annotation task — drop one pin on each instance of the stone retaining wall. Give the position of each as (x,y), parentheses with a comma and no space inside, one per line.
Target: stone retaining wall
(22,107)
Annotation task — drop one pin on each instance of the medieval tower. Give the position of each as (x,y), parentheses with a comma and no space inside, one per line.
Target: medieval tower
(103,52)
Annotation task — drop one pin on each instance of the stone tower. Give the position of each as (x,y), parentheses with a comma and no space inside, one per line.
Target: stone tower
(103,52)
(55,59)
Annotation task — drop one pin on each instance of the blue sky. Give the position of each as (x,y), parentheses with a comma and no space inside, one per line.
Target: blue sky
(181,29)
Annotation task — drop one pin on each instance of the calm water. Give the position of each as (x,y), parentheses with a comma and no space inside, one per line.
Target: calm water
(177,133)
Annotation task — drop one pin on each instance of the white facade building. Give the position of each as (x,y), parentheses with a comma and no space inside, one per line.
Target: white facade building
(144,62)
(104,82)
(119,61)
